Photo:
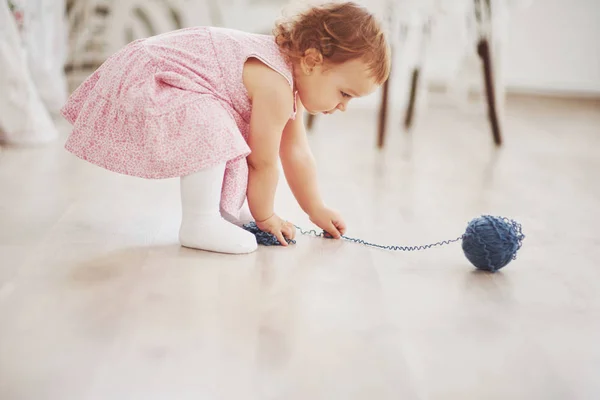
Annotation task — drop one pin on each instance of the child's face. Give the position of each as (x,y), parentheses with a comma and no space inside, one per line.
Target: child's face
(324,88)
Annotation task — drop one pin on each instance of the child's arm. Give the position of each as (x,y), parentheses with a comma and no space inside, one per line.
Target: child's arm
(272,102)
(301,174)
(299,165)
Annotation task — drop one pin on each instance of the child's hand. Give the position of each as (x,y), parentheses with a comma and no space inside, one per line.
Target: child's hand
(278,227)
(330,221)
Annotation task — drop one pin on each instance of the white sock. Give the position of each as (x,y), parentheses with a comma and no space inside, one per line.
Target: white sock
(202,226)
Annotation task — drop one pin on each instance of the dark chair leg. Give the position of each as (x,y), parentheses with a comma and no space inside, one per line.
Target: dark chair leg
(483,49)
(408,119)
(383,115)
(310,122)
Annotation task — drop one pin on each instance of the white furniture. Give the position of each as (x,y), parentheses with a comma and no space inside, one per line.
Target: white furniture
(476,52)
(98,28)
(256,16)
(478,63)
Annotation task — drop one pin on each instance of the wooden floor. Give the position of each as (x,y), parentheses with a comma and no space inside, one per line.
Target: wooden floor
(98,301)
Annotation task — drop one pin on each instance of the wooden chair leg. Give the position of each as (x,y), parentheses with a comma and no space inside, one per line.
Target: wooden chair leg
(310,122)
(383,115)
(483,49)
(408,119)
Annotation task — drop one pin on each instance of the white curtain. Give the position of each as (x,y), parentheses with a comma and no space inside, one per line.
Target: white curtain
(45,41)
(31,75)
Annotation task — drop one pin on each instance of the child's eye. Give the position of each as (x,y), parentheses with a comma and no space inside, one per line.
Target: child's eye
(344,94)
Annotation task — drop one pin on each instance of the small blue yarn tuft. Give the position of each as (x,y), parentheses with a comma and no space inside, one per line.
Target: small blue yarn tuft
(490,243)
(264,238)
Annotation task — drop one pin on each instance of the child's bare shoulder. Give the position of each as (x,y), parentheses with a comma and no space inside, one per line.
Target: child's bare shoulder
(263,82)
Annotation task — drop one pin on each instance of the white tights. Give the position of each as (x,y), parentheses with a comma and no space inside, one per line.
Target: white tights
(202,226)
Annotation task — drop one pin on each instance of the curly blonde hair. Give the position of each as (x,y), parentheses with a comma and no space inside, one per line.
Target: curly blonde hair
(340,32)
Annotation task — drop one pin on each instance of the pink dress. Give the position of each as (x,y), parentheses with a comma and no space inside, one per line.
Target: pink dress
(173,104)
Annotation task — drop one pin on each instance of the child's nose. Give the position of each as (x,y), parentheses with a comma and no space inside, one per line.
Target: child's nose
(341,107)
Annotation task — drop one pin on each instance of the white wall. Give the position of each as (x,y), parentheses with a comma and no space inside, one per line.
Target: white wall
(554,46)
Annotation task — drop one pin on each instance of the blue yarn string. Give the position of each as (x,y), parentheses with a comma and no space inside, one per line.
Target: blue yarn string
(268,239)
(379,246)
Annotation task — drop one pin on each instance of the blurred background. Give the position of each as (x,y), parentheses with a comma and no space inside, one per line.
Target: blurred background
(493,107)
(534,47)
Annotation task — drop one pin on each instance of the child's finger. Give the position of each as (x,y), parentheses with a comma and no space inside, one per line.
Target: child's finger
(289,231)
(333,231)
(341,226)
(281,239)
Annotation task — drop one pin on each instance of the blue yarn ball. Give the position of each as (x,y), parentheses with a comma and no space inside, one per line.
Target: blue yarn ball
(490,243)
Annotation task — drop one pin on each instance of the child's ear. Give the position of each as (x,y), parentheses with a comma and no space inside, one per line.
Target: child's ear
(312,58)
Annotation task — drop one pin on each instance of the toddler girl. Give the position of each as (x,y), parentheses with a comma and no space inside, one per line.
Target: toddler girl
(218,108)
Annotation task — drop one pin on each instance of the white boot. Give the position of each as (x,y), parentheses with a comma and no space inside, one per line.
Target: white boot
(202,226)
